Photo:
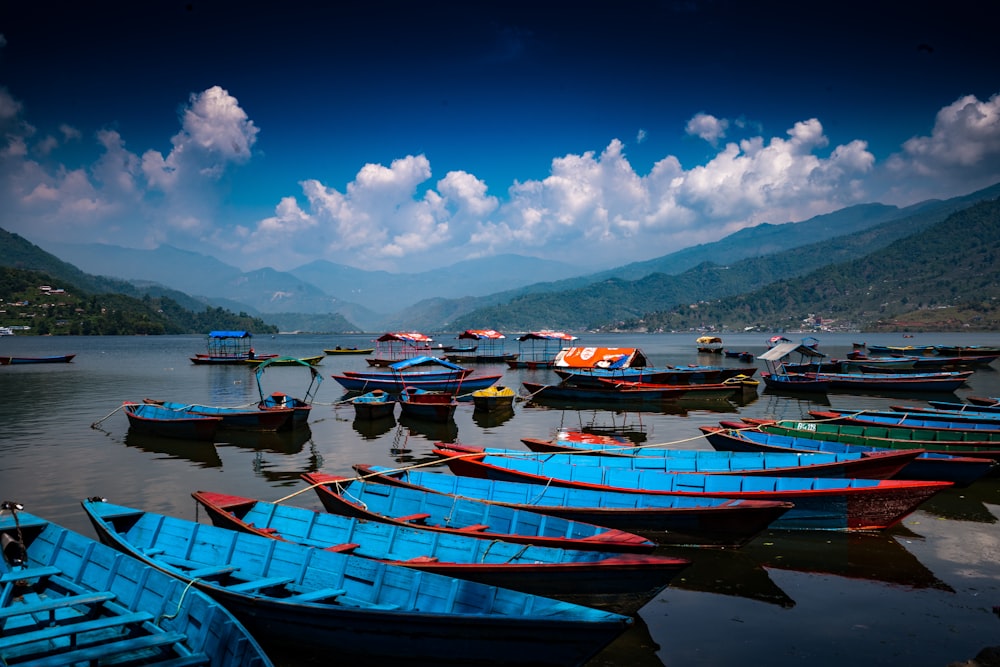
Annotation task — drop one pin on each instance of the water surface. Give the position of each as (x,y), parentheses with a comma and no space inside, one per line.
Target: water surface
(922,593)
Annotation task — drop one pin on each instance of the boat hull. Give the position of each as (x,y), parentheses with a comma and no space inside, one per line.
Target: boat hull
(131,613)
(261,419)
(630,395)
(57,359)
(961,470)
(378,502)
(154,420)
(373,405)
(930,440)
(302,597)
(705,522)
(493,398)
(820,503)
(622,583)
(723,461)
(395,384)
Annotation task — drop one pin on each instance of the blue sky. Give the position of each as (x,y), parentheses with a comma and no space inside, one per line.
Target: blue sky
(409,135)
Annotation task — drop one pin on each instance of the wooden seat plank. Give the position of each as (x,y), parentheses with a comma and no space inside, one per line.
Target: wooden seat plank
(51,604)
(257,584)
(106,650)
(321,594)
(73,628)
(30,573)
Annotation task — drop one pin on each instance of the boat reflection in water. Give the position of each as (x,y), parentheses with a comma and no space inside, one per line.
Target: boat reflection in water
(730,572)
(429,430)
(680,408)
(277,442)
(745,572)
(875,557)
(202,454)
(635,648)
(965,504)
(372,429)
(492,418)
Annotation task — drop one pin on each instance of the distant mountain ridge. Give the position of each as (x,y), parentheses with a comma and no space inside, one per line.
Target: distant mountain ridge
(615,301)
(944,277)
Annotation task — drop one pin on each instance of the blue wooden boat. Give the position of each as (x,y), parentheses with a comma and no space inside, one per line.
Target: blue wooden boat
(884,465)
(992,401)
(592,377)
(156,420)
(967,350)
(902,420)
(713,462)
(351,496)
(619,582)
(68,600)
(452,377)
(228,348)
(436,406)
(794,382)
(54,359)
(423,367)
(374,405)
(993,407)
(357,608)
(254,419)
(970,413)
(629,394)
(673,520)
(943,381)
(742,437)
(824,503)
(902,349)
(302,407)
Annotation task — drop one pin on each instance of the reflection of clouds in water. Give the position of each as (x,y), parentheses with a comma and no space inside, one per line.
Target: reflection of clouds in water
(966,551)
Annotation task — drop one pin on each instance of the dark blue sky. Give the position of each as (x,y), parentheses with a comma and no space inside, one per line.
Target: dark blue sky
(236,127)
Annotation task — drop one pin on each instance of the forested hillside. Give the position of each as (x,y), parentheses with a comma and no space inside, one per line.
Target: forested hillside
(624,304)
(48,306)
(944,278)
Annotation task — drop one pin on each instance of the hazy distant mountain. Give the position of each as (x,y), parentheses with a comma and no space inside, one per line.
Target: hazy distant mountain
(368,298)
(390,292)
(183,270)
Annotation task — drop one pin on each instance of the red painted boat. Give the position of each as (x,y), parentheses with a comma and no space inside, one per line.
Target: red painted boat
(379,502)
(674,520)
(620,582)
(820,503)
(884,465)
(437,406)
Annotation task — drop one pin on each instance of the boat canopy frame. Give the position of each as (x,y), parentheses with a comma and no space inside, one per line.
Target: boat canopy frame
(229,343)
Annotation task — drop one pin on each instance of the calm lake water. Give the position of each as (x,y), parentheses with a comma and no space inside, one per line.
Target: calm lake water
(924,593)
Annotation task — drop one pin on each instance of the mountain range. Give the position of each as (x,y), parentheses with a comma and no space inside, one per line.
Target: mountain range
(507,292)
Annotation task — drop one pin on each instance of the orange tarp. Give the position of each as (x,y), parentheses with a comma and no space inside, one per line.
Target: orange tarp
(598,357)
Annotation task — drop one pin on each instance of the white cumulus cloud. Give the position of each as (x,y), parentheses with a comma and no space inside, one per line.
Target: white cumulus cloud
(708,127)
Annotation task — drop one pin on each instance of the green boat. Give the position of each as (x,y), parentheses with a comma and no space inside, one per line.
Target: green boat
(961,443)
